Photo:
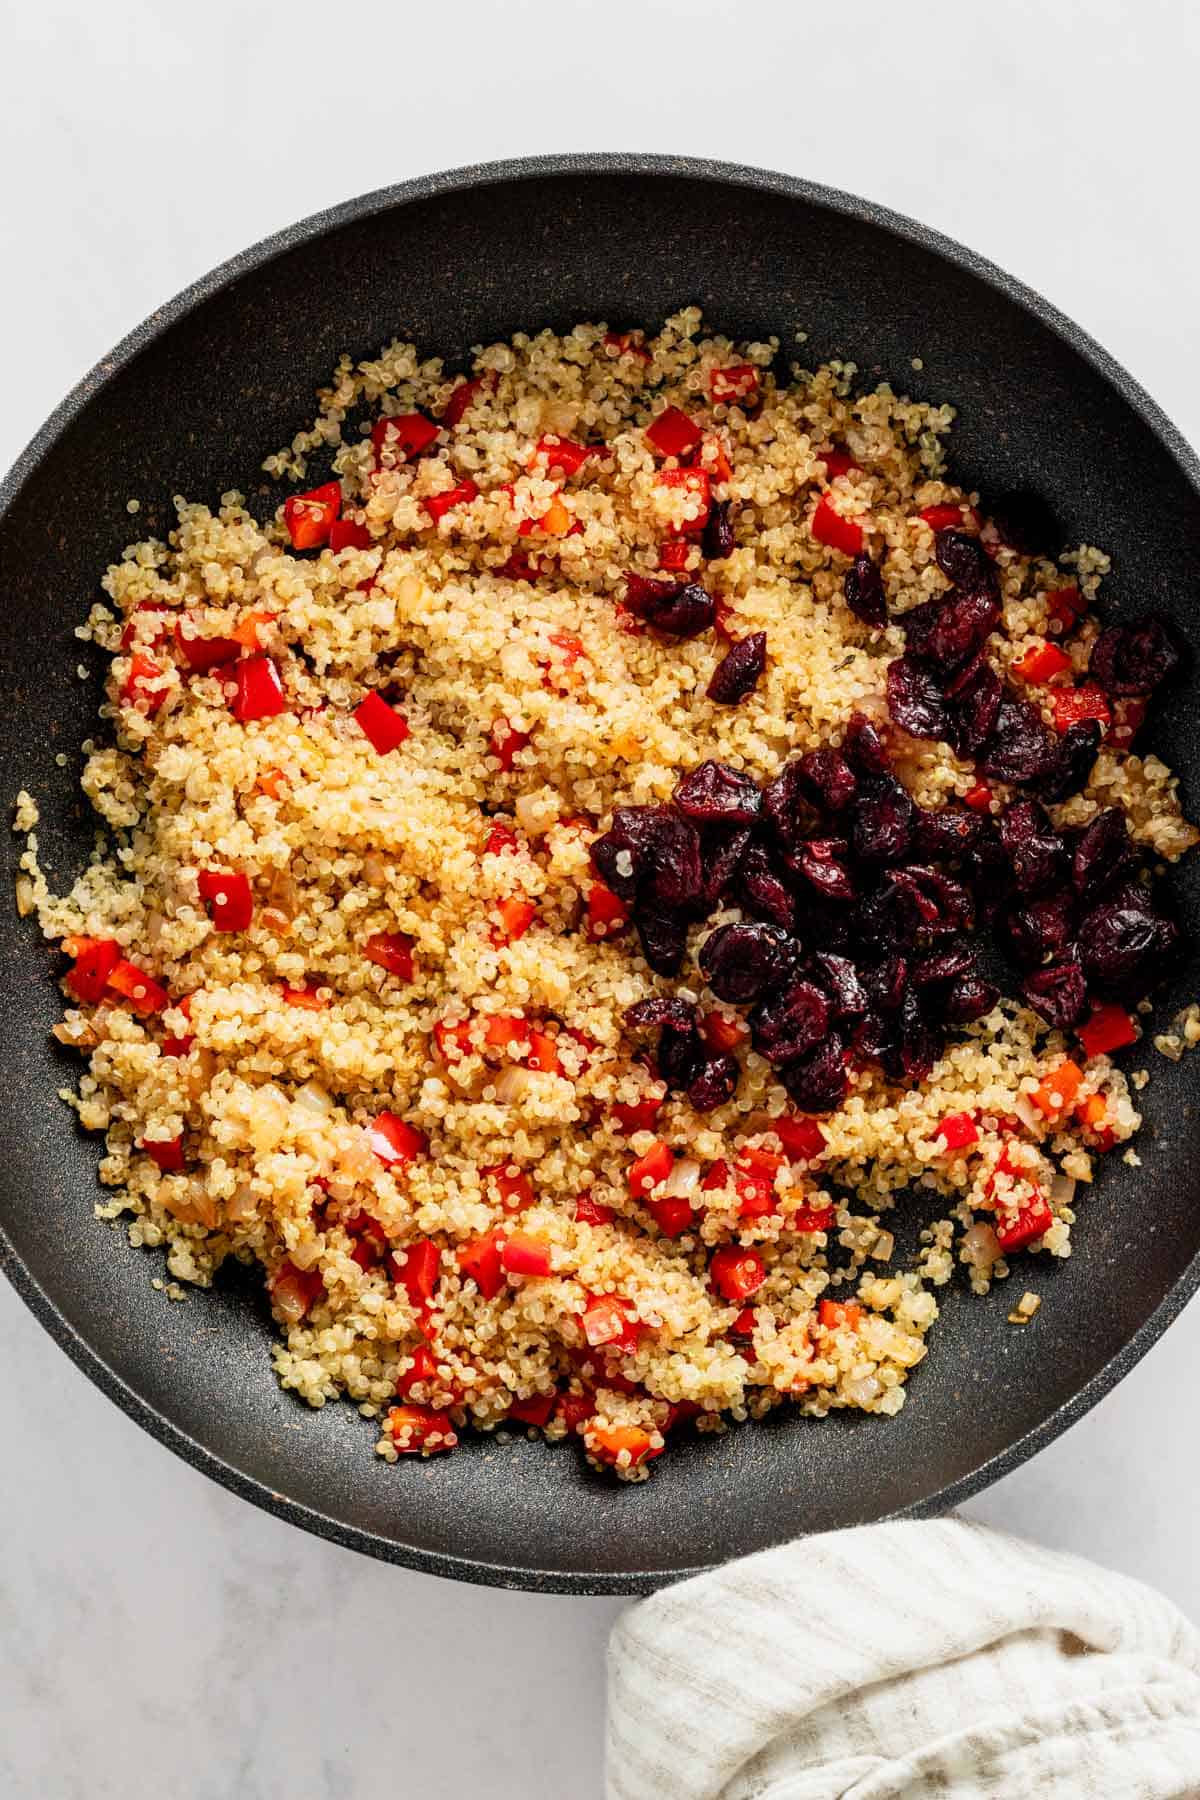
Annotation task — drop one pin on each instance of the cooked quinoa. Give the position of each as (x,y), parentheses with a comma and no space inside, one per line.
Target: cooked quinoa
(352,997)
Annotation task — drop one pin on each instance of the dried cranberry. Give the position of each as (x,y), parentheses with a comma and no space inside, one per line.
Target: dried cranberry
(883,822)
(864,748)
(945,833)
(787,1025)
(1020,748)
(786,805)
(1033,847)
(664,940)
(721,853)
(947,633)
(740,962)
(969,998)
(1058,993)
(650,851)
(921,1042)
(680,1057)
(943,964)
(864,591)
(874,1039)
(714,1084)
(932,901)
(818,1083)
(1104,855)
(715,792)
(885,983)
(1041,929)
(820,861)
(762,889)
(1124,943)
(915,700)
(1026,523)
(829,779)
(824,924)
(963,560)
(840,979)
(739,670)
(985,870)
(976,707)
(679,609)
(1072,763)
(716,541)
(1134,659)
(660,1010)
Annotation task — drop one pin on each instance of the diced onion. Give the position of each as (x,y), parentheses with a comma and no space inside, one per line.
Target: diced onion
(1027,1112)
(981,1246)
(1062,1191)
(683,1180)
(313,1097)
(306,1252)
(512,1084)
(240,1204)
(862,1390)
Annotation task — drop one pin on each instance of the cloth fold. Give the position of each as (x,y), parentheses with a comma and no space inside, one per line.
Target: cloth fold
(904,1659)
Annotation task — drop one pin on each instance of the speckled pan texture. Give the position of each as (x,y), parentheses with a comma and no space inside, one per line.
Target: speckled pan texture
(189,404)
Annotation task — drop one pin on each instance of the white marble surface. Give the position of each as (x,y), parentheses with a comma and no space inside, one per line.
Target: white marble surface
(157,1635)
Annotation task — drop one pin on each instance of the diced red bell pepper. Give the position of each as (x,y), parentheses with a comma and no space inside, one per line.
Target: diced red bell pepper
(417,1269)
(695,483)
(510,1184)
(525,1254)
(812,1218)
(394,1140)
(543,1053)
(503,1029)
(837,462)
(651,1170)
(202,653)
(829,527)
(568,645)
(422,1371)
(1066,605)
(1092,1114)
(713,457)
(1070,705)
(166,1152)
(627,343)
(465,396)
(725,621)
(94,961)
(141,687)
(1129,713)
(479,1260)
(348,534)
(534,1411)
(610,1322)
(672,1214)
(310,516)
(736,383)
(673,557)
(133,632)
(304,1286)
(637,1115)
(1017,1227)
(144,994)
(1054,1094)
(575,1410)
(754,1180)
(369,1235)
(403,435)
(717,1177)
(736,1273)
(393,951)
(958,1130)
(672,433)
(979,799)
(518,567)
(607,916)
(453,1041)
(259,693)
(1042,663)
(228,898)
(592,1212)
(420,1430)
(722,1031)
(802,1139)
(500,840)
(462,494)
(833,1314)
(947,517)
(309,999)
(514,917)
(746,1323)
(624,1446)
(506,743)
(383,727)
(559,454)
(1107,1028)
(246,632)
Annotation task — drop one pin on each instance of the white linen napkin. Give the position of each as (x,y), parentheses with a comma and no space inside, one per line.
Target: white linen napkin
(904,1659)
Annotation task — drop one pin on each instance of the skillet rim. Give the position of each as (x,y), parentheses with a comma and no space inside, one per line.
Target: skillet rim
(257,256)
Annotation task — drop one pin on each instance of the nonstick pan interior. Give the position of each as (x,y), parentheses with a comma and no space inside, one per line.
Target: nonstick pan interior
(189,405)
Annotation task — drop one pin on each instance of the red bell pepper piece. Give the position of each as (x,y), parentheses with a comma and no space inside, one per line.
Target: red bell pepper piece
(534,1411)
(306,1286)
(309,517)
(462,494)
(1066,605)
(1129,715)
(651,1170)
(624,1446)
(503,1029)
(465,396)
(721,1031)
(94,960)
(575,1410)
(1041,663)
(422,1371)
(834,1314)
(736,1273)
(202,653)
(259,693)
(144,994)
(559,454)
(610,1322)
(1073,704)
(1107,1028)
(802,1139)
(506,742)
(417,1269)
(347,534)
(607,916)
(309,998)
(501,838)
(383,727)
(979,799)
(673,557)
(403,435)
(754,1180)
(166,1152)
(392,951)
(947,517)
(592,1212)
(837,462)
(525,1254)
(228,898)
(672,433)
(958,1130)
(543,1053)
(510,1185)
(395,1141)
(736,383)
(717,1177)
(637,1115)
(141,686)
(812,1218)
(672,1214)
(829,527)
(514,917)
(420,1430)
(453,1041)
(479,1260)
(695,483)
(1018,1226)
(627,343)
(134,633)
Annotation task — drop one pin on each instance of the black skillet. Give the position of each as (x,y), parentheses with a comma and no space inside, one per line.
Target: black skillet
(189,404)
